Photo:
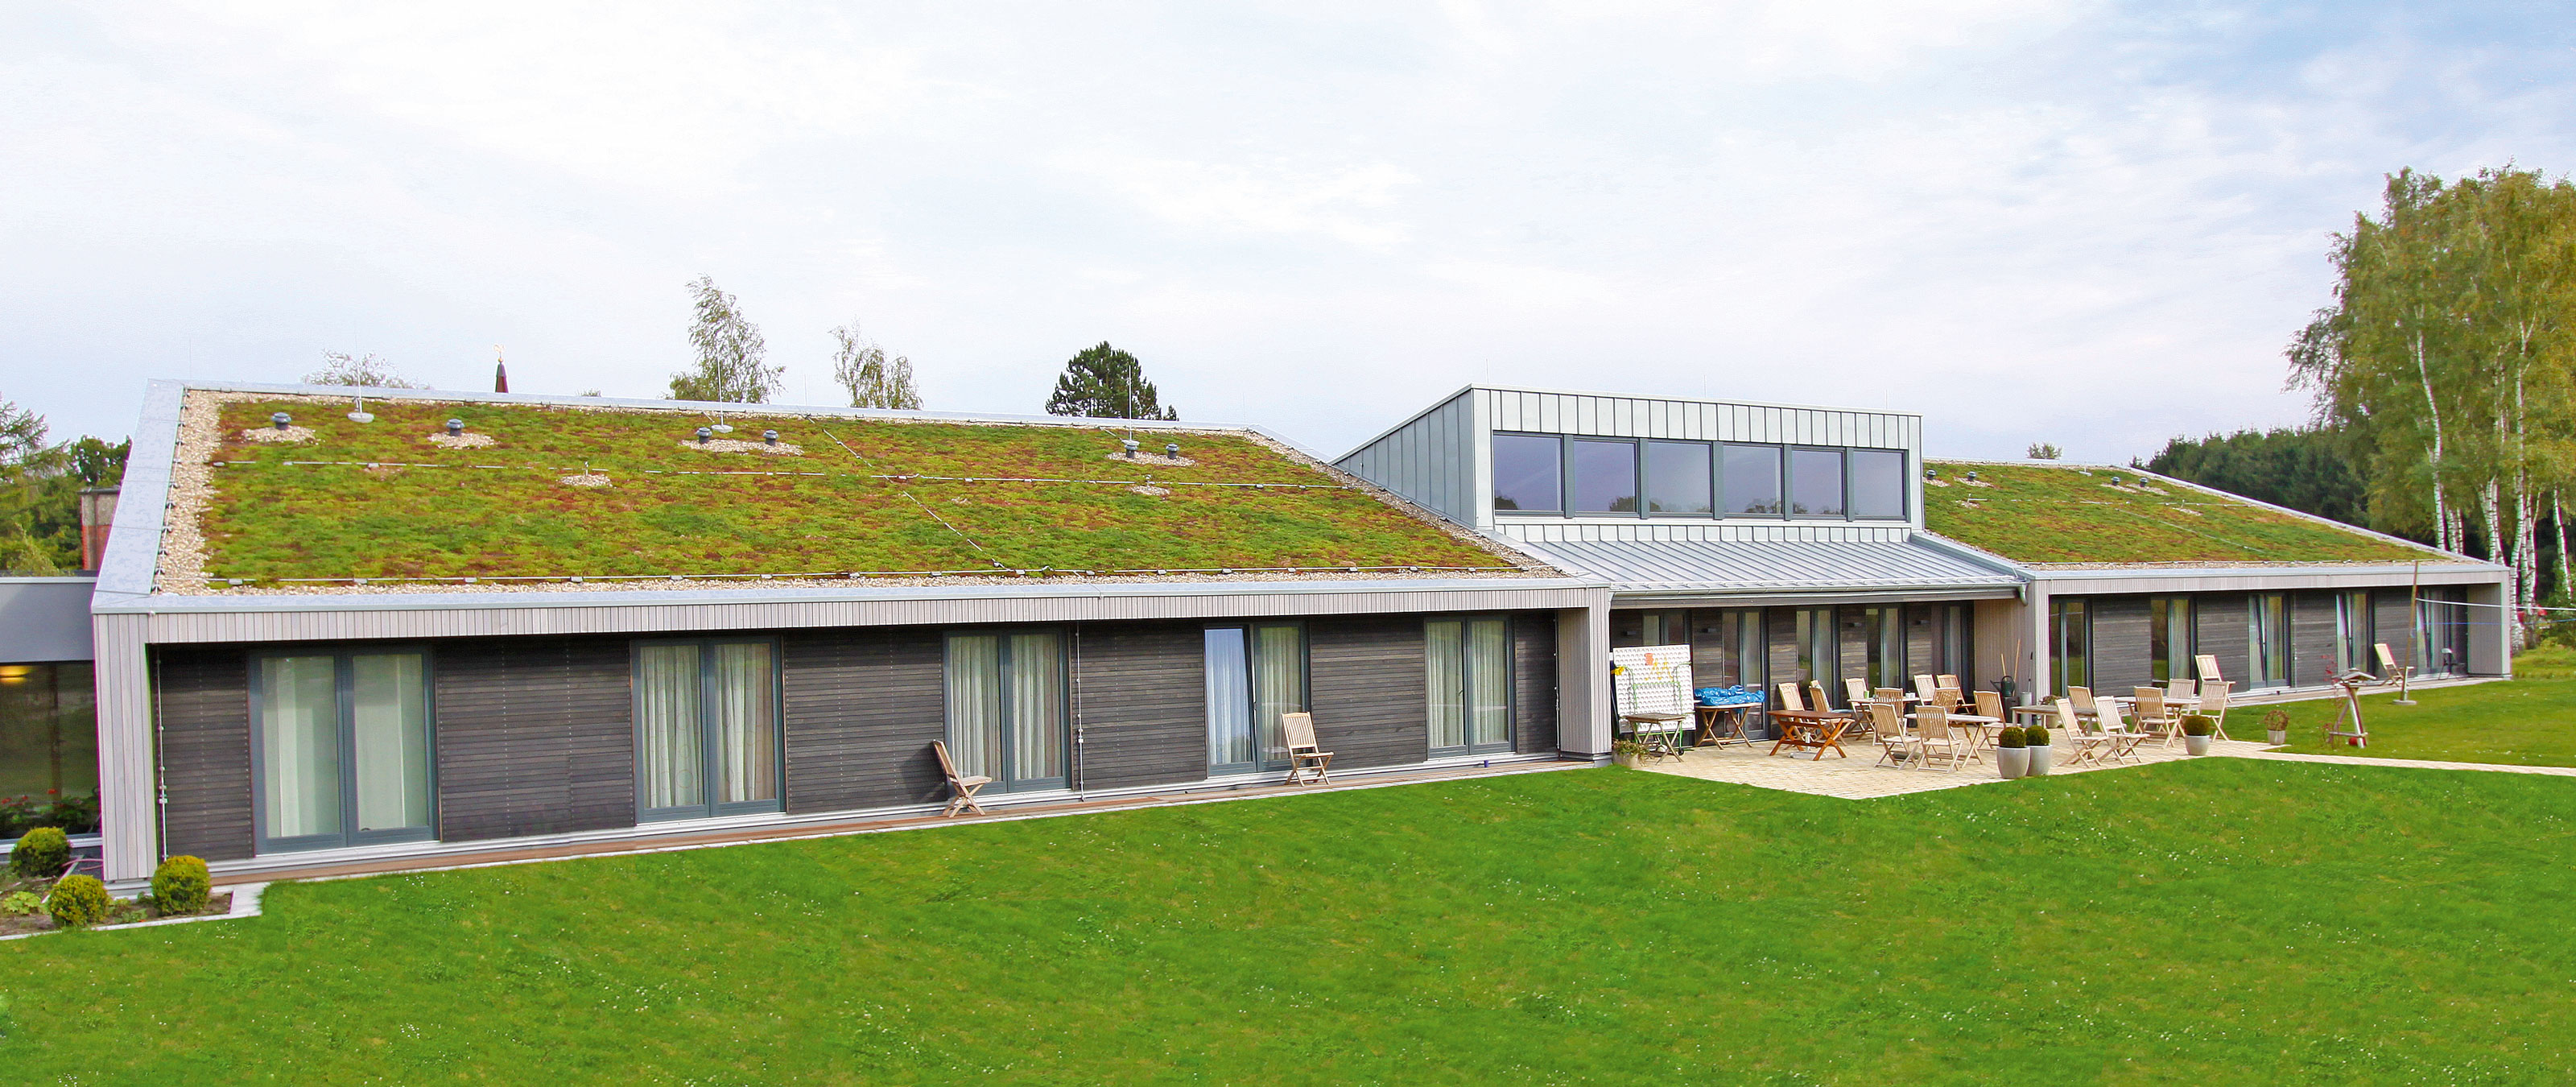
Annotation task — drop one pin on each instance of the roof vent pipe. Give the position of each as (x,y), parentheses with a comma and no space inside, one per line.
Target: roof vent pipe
(770,436)
(704,434)
(360,414)
(455,427)
(1132,445)
(1172,450)
(1972,477)
(282,420)
(1931,473)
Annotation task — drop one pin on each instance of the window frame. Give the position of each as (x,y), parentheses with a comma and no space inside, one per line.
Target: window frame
(1305,689)
(344,700)
(1563,487)
(1467,682)
(2059,631)
(708,756)
(1064,700)
(1720,509)
(2177,661)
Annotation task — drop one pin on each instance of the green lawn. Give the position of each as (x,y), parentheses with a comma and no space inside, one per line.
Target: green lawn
(2217,921)
(2530,722)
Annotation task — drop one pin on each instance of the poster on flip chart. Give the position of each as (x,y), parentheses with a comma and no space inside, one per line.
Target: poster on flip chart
(1653,679)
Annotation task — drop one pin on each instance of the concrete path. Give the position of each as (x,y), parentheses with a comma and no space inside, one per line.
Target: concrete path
(2415,764)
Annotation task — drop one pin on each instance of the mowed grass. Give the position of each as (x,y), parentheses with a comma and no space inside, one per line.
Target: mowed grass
(2530,722)
(377,500)
(2039,513)
(2217,921)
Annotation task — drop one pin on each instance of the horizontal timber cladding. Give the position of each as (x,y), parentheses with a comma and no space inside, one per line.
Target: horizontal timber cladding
(1780,639)
(1369,688)
(1534,683)
(1923,644)
(534,736)
(204,716)
(2392,622)
(862,706)
(2223,635)
(1142,703)
(2121,644)
(2312,637)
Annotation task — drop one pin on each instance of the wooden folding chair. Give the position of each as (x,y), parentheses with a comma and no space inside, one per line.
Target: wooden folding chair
(2206,664)
(1924,686)
(961,786)
(1991,704)
(2213,705)
(1895,744)
(2155,718)
(2087,745)
(1948,698)
(1936,739)
(1789,699)
(1306,761)
(1816,696)
(2391,673)
(2082,699)
(1945,680)
(1855,691)
(2124,740)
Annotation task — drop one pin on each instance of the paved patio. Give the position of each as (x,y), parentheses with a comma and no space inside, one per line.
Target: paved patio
(1859,778)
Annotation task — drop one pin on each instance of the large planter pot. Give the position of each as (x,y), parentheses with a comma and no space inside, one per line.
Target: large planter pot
(2042,756)
(2012,762)
(2277,737)
(1629,759)
(2197,745)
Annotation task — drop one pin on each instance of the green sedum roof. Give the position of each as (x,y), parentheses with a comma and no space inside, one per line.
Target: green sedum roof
(881,497)
(2042,513)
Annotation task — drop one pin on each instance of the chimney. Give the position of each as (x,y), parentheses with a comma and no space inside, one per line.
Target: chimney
(500,374)
(97,512)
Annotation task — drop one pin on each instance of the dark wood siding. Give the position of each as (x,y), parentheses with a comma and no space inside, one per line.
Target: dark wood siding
(2393,622)
(1534,683)
(1144,704)
(204,707)
(1923,643)
(535,736)
(1371,692)
(862,706)
(2120,644)
(1780,631)
(2312,637)
(2223,635)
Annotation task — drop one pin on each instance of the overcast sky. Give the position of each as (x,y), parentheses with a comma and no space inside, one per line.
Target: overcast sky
(2093,224)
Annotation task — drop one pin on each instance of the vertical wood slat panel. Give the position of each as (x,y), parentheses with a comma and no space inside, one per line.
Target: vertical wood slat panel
(1534,683)
(1144,704)
(2121,641)
(863,705)
(535,736)
(2312,637)
(205,751)
(1371,693)
(2222,634)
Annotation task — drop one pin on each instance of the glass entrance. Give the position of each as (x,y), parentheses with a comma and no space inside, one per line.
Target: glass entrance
(1255,673)
(342,745)
(1470,669)
(1007,715)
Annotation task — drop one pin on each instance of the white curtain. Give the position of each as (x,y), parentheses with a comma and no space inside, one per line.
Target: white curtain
(1489,677)
(390,739)
(975,704)
(1229,698)
(667,700)
(299,731)
(1447,659)
(1278,684)
(1037,706)
(745,696)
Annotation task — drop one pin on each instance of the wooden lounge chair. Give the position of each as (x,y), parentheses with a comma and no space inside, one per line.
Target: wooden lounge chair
(2391,673)
(1816,696)
(1306,761)
(1895,744)
(961,786)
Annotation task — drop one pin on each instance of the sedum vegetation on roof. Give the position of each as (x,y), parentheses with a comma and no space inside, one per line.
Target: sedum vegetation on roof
(565,492)
(2090,514)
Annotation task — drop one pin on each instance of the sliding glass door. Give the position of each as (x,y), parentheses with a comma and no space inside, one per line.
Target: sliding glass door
(706,728)
(2267,640)
(1255,673)
(2172,638)
(1007,711)
(341,748)
(1470,662)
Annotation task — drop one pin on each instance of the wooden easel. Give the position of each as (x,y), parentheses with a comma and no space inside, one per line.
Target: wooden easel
(2351,729)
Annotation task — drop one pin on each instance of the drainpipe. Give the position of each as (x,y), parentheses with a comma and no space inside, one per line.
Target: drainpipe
(1077,713)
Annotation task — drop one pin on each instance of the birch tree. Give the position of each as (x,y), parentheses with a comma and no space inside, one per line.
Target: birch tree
(731,355)
(860,365)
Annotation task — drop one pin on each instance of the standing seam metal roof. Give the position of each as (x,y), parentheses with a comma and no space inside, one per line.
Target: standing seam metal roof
(1735,566)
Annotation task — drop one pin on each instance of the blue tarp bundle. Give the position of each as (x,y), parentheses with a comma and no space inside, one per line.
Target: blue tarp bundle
(1729,696)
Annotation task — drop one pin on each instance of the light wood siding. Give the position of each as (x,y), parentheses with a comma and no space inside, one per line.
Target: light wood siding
(1144,704)
(1370,690)
(1534,683)
(862,706)
(1430,460)
(2223,635)
(535,736)
(2121,642)
(2393,621)
(2312,637)
(205,751)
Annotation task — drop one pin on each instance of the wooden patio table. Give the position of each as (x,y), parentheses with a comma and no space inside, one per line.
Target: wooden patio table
(1815,730)
(1723,725)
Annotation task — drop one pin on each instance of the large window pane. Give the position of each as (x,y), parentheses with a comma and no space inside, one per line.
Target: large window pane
(2268,648)
(975,704)
(389,733)
(1878,483)
(743,699)
(1229,698)
(1815,483)
(49,736)
(1605,476)
(1752,480)
(1278,684)
(2070,636)
(667,708)
(299,732)
(1677,478)
(1489,682)
(1529,473)
(1447,660)
(2170,638)
(1037,707)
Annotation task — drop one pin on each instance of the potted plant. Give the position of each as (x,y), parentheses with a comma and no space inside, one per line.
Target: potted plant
(1628,753)
(2276,727)
(2195,733)
(2012,757)
(2042,747)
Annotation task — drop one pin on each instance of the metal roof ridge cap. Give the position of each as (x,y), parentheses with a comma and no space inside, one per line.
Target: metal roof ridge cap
(169,602)
(1970,552)
(133,560)
(1687,400)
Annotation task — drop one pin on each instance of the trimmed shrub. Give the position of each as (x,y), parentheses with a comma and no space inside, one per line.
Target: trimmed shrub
(2037,736)
(2010,737)
(181,885)
(2197,725)
(79,901)
(41,853)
